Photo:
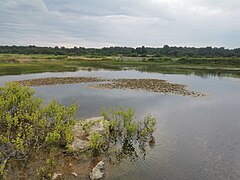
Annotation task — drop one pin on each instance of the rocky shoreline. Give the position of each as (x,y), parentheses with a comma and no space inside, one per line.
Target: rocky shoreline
(81,139)
(148,85)
(59,81)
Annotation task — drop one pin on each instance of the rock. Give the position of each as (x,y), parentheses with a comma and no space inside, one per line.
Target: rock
(79,144)
(56,175)
(78,131)
(74,174)
(97,127)
(81,138)
(148,85)
(60,80)
(97,171)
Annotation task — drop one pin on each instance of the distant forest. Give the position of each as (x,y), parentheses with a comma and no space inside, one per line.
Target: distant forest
(166,50)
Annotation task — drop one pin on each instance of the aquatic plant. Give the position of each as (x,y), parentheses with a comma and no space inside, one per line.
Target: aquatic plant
(123,125)
(123,132)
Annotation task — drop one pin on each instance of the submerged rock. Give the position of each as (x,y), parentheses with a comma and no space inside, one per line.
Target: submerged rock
(97,171)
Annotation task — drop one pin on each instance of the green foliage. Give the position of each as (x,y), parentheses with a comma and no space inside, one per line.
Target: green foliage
(86,125)
(211,61)
(123,123)
(124,137)
(96,141)
(148,125)
(46,169)
(2,168)
(27,124)
(143,51)
(122,127)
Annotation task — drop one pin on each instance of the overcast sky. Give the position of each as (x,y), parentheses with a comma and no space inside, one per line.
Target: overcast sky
(98,23)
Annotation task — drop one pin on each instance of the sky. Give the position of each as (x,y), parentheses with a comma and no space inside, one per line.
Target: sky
(132,23)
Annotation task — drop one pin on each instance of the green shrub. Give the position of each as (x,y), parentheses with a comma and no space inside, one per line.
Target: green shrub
(96,141)
(123,127)
(124,137)
(28,124)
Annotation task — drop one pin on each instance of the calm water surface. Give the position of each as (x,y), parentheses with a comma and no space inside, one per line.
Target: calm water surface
(196,138)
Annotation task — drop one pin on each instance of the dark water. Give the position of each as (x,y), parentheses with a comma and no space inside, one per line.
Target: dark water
(196,138)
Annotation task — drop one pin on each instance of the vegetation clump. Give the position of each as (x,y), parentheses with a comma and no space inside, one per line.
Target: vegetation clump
(170,51)
(27,124)
(123,135)
(123,125)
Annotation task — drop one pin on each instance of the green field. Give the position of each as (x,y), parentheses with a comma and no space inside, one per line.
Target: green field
(13,64)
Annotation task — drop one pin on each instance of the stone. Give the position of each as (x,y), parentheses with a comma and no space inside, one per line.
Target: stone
(98,126)
(80,139)
(78,131)
(74,174)
(97,171)
(56,175)
(79,144)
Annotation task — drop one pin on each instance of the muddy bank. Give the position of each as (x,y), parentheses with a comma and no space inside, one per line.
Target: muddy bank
(148,85)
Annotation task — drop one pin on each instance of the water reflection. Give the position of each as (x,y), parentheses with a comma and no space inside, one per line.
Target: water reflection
(204,73)
(130,151)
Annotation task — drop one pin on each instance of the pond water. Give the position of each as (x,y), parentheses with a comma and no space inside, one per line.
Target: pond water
(196,138)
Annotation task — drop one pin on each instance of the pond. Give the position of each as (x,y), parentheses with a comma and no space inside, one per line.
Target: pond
(196,138)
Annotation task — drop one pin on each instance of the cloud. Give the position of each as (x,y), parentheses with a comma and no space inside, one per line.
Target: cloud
(121,22)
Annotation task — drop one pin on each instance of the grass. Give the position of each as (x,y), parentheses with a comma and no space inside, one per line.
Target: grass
(23,64)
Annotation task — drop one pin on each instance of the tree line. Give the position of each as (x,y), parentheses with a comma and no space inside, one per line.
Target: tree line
(125,51)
